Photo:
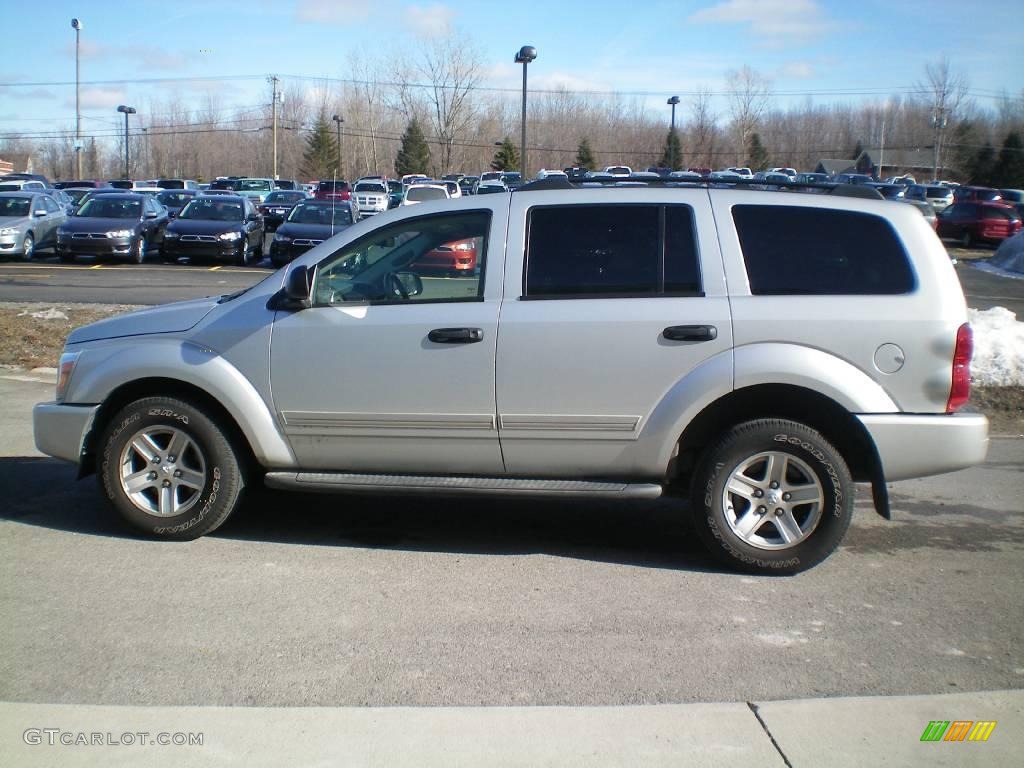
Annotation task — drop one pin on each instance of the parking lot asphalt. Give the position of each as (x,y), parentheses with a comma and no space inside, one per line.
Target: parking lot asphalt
(428,601)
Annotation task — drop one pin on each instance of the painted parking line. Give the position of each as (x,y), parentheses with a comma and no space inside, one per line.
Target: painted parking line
(214,269)
(96,266)
(145,268)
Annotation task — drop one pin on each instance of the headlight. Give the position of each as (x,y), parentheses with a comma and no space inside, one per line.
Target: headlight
(464,247)
(64,370)
(120,233)
(168,235)
(229,236)
(9,231)
(282,238)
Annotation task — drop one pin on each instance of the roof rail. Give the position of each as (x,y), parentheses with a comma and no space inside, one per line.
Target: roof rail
(828,188)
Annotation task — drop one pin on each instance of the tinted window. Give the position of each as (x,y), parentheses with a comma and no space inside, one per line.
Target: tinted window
(324,215)
(420,194)
(593,250)
(111,208)
(997,213)
(14,206)
(797,250)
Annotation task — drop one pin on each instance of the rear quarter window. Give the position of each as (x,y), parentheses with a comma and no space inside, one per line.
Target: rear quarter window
(790,250)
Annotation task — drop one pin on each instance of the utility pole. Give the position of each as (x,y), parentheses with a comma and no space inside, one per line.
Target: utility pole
(76,25)
(939,124)
(273,108)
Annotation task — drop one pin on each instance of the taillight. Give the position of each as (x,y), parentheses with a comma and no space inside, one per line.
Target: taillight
(960,390)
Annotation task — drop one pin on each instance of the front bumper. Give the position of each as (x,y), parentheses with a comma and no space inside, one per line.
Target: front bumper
(914,445)
(284,252)
(60,430)
(11,243)
(121,246)
(231,250)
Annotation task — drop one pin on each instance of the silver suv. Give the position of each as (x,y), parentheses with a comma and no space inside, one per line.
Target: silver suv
(753,352)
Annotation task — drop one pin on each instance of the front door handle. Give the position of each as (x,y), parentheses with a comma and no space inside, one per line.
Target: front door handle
(690,333)
(456,335)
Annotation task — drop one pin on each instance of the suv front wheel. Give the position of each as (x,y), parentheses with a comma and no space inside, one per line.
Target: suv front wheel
(169,468)
(772,496)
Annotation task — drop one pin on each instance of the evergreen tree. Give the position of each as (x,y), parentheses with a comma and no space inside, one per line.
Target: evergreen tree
(673,155)
(757,155)
(320,160)
(584,155)
(1009,171)
(965,136)
(983,166)
(506,158)
(414,154)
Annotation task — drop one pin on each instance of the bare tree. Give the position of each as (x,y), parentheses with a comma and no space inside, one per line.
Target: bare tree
(452,71)
(749,94)
(702,129)
(945,91)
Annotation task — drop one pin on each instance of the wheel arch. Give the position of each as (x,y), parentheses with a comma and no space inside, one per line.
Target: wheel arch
(783,401)
(157,386)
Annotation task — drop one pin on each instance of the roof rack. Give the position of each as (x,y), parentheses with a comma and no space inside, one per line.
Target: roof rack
(827,188)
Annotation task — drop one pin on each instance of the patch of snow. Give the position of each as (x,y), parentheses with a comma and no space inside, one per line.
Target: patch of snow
(46,314)
(998,347)
(1010,255)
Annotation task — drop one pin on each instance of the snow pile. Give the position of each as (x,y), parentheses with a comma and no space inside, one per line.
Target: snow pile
(1010,255)
(998,348)
(45,314)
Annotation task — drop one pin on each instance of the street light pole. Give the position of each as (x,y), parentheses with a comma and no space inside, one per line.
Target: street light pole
(127,111)
(526,54)
(338,120)
(672,102)
(76,25)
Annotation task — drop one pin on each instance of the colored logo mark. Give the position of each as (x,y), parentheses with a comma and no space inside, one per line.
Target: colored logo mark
(958,730)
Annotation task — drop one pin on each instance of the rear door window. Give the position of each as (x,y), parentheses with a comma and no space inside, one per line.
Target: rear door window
(603,251)
(791,250)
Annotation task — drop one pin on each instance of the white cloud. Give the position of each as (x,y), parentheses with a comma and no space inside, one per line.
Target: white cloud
(430,21)
(795,70)
(340,13)
(99,98)
(770,20)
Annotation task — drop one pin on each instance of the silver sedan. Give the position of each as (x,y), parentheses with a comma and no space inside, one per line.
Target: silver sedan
(28,221)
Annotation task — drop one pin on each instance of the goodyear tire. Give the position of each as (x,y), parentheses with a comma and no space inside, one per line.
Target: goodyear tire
(169,468)
(772,496)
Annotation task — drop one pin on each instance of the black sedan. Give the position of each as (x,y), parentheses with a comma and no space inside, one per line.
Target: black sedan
(277,205)
(222,228)
(176,199)
(309,224)
(124,225)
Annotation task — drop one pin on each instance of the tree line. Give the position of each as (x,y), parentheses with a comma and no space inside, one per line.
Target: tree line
(434,95)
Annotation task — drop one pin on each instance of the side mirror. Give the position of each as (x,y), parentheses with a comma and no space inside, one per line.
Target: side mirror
(412,284)
(150,214)
(295,295)
(39,212)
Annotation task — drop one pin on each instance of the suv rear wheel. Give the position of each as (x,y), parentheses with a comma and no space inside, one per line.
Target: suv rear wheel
(772,496)
(169,468)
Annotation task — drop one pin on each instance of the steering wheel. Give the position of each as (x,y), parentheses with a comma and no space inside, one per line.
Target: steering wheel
(393,284)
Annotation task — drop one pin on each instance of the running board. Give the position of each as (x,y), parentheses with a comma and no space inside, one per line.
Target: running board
(349,482)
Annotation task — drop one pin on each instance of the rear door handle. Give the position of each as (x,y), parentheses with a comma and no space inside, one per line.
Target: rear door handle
(456,335)
(690,333)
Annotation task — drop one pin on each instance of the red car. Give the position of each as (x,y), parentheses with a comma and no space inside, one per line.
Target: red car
(333,190)
(456,259)
(977,221)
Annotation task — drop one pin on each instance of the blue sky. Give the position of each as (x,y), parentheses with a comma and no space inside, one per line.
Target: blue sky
(810,49)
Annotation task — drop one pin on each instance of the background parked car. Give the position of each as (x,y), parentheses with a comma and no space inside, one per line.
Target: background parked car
(28,176)
(371,196)
(63,199)
(975,221)
(962,194)
(177,184)
(221,228)
(277,205)
(1012,196)
(309,224)
(18,185)
(454,259)
(926,210)
(421,193)
(176,199)
(333,189)
(936,196)
(121,224)
(254,188)
(81,184)
(890,191)
(28,220)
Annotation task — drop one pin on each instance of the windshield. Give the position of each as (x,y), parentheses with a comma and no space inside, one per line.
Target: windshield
(370,186)
(106,207)
(252,185)
(332,186)
(419,194)
(171,184)
(938,192)
(321,214)
(212,210)
(174,199)
(284,197)
(14,206)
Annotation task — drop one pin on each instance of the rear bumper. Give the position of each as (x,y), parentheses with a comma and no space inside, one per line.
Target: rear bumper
(60,430)
(911,445)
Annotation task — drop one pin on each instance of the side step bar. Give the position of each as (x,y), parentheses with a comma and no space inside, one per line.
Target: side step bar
(353,482)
